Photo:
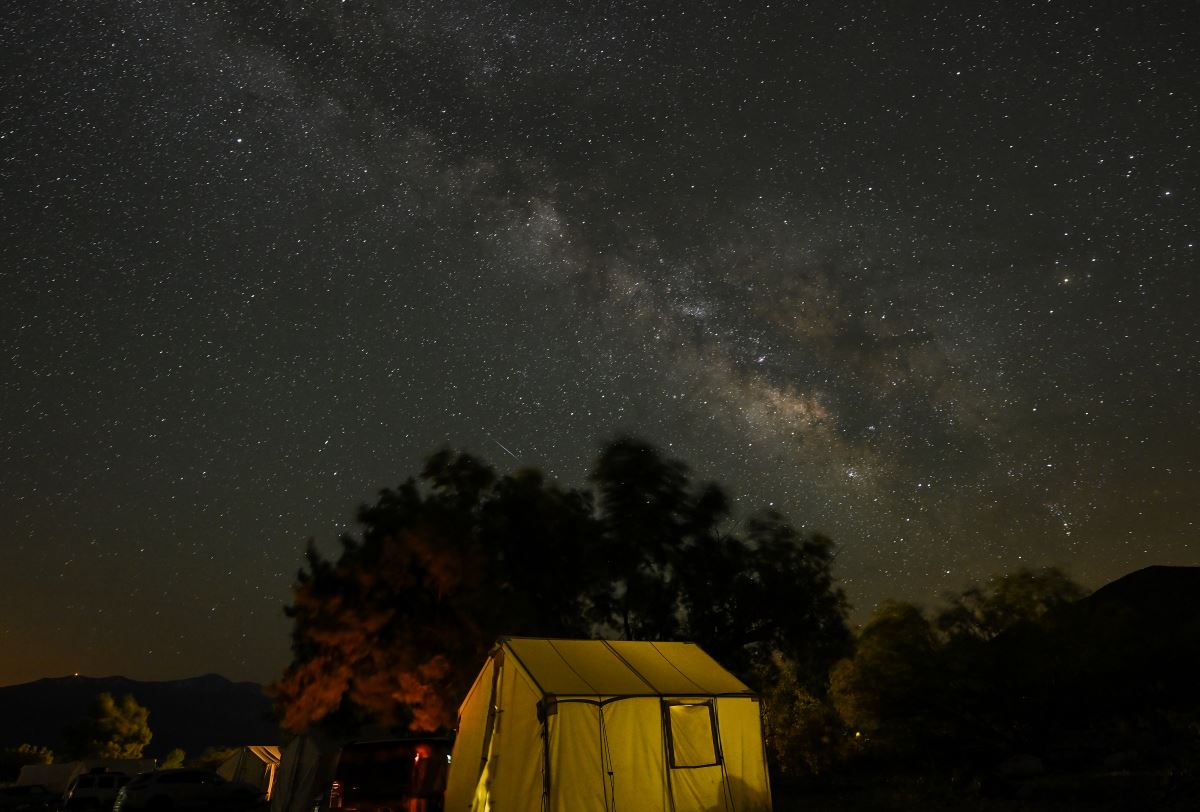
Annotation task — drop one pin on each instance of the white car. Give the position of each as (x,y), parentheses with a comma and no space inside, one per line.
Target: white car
(180,790)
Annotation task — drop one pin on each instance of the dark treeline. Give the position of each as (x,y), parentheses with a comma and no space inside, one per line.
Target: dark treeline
(1022,676)
(1025,688)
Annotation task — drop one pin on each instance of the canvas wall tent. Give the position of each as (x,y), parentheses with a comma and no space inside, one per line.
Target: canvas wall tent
(602,726)
(253,764)
(305,769)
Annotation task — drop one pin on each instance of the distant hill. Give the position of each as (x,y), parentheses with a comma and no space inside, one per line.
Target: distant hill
(1162,593)
(1108,677)
(1134,642)
(1134,639)
(193,714)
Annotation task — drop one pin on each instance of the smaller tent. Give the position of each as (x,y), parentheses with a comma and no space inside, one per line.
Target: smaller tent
(54,777)
(599,726)
(57,777)
(253,764)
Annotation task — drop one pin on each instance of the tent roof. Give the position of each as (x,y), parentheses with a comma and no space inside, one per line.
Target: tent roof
(622,668)
(266,753)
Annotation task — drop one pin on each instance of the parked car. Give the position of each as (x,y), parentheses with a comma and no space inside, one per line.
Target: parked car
(28,798)
(390,774)
(178,790)
(94,790)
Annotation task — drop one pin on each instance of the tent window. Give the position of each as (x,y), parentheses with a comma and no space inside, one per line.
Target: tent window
(692,734)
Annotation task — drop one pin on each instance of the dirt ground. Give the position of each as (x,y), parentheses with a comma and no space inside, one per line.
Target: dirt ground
(1098,792)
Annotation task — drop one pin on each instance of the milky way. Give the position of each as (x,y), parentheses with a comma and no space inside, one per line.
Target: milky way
(923,278)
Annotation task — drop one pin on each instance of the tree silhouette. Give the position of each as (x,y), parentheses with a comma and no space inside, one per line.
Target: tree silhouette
(884,692)
(392,632)
(1023,596)
(957,687)
(649,516)
(673,567)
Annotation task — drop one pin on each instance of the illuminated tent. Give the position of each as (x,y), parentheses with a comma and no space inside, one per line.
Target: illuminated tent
(599,726)
(253,764)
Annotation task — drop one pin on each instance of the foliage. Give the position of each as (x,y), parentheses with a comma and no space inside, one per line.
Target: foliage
(12,759)
(173,760)
(392,632)
(672,569)
(792,605)
(804,734)
(113,729)
(948,690)
(883,691)
(1023,596)
(648,515)
(211,758)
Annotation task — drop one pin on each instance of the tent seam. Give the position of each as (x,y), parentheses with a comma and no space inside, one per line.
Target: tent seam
(567,663)
(702,692)
(631,667)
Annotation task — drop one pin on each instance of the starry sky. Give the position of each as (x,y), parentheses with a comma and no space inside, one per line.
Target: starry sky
(922,276)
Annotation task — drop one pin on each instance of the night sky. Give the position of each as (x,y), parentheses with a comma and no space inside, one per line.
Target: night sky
(922,276)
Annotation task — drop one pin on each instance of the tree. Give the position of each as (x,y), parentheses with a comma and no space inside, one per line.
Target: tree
(804,735)
(793,605)
(1023,596)
(884,692)
(173,760)
(672,567)
(211,758)
(948,690)
(392,632)
(648,515)
(113,729)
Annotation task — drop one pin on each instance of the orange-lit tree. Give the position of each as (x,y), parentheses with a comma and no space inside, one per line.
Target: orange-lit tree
(393,631)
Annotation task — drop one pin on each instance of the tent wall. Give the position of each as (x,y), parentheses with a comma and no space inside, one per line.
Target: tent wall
(469,756)
(634,737)
(740,721)
(515,759)
(633,750)
(694,761)
(615,753)
(700,789)
(576,769)
(498,755)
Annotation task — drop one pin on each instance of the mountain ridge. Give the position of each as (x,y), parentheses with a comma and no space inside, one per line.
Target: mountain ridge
(192,713)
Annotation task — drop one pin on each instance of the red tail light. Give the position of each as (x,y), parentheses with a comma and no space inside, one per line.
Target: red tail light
(335,795)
